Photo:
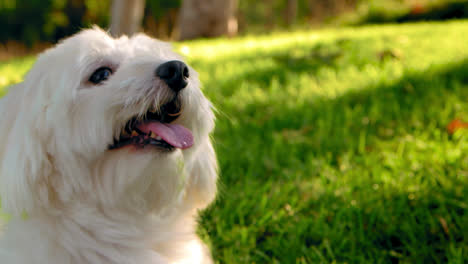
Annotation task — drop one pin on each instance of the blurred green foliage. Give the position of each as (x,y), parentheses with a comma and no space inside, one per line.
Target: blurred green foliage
(158,8)
(30,21)
(49,20)
(399,11)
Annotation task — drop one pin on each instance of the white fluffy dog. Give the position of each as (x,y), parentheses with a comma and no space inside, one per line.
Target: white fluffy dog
(105,156)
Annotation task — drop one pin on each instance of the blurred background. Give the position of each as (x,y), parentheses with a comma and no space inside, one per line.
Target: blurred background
(30,24)
(342,125)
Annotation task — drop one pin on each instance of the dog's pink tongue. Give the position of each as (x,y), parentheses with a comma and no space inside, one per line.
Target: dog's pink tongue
(176,135)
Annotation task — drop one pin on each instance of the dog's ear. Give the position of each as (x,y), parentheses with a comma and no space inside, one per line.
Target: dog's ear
(24,161)
(203,176)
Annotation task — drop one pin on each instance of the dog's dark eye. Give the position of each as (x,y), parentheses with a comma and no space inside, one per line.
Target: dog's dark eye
(100,75)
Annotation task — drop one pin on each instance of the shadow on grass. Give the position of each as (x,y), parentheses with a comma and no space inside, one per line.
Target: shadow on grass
(384,227)
(351,122)
(389,226)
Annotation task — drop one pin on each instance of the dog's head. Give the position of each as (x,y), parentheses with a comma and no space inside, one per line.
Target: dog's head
(100,119)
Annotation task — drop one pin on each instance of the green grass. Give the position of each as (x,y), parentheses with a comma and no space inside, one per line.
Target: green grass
(332,144)
(12,72)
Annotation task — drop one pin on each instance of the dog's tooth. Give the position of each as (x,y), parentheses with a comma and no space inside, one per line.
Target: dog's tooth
(158,138)
(153,135)
(135,134)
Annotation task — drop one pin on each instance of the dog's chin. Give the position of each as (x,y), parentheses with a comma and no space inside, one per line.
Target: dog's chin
(140,179)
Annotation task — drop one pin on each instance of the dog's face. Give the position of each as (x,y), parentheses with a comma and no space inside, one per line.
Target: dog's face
(99,119)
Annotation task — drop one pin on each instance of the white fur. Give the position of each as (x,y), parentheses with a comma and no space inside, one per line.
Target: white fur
(72,200)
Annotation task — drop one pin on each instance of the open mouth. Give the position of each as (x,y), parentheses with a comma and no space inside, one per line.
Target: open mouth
(155,129)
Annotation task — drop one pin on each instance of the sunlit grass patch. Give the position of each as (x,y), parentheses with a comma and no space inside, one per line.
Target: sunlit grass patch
(12,71)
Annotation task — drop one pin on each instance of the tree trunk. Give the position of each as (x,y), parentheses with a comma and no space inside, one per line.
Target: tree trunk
(269,15)
(291,12)
(207,18)
(126,17)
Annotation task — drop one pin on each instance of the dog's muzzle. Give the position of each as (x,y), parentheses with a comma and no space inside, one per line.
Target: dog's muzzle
(155,128)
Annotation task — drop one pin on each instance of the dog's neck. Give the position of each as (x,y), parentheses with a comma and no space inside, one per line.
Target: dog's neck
(97,234)
(131,215)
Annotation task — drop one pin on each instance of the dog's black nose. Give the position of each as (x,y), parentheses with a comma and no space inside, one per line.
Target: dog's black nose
(174,73)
